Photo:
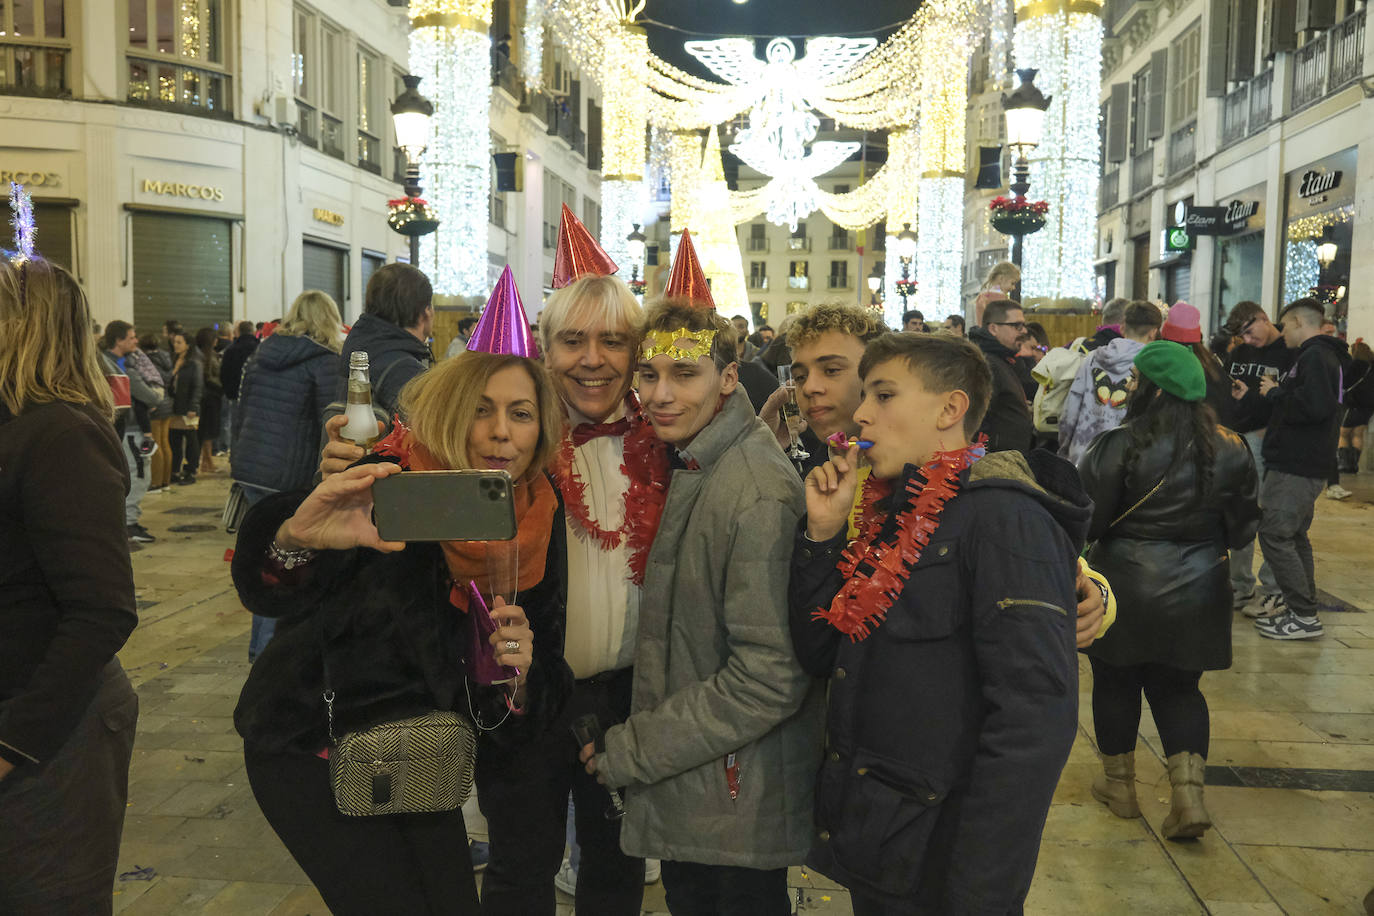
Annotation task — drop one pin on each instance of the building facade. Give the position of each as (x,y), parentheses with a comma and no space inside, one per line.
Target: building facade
(1247,128)
(206,160)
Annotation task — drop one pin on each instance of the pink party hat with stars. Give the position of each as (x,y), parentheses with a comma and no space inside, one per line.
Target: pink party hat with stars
(503,327)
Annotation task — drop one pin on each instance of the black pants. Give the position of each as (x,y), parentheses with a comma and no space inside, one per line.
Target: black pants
(524,795)
(724,890)
(1176,702)
(187,442)
(396,863)
(60,823)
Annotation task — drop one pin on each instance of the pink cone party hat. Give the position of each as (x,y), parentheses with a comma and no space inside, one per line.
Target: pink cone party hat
(578,253)
(503,327)
(687,280)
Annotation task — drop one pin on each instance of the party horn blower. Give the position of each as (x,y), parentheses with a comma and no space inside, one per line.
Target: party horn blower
(845,443)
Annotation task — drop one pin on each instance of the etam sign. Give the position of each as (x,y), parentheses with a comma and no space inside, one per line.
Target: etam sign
(1225,220)
(1315,182)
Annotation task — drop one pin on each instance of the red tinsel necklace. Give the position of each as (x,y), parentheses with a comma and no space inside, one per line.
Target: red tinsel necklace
(865,598)
(647,468)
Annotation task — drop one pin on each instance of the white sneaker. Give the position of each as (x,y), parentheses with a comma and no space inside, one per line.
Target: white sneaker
(1268,606)
(566,879)
(1336,491)
(652,871)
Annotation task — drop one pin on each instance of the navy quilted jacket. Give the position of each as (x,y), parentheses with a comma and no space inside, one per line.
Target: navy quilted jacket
(286,386)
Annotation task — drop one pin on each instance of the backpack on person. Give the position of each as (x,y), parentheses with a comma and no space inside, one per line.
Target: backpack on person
(1055,374)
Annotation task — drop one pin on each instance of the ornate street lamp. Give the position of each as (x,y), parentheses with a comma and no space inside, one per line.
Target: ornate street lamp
(906,251)
(636,240)
(875,284)
(1025,114)
(411,114)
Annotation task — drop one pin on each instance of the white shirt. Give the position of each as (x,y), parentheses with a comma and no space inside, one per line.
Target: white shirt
(603,604)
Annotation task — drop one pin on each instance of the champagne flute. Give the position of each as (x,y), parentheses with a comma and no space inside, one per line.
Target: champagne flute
(503,562)
(791,411)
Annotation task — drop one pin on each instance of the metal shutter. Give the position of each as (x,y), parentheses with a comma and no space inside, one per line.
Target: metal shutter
(1179,282)
(1218,34)
(326,269)
(54,225)
(1241,65)
(182,270)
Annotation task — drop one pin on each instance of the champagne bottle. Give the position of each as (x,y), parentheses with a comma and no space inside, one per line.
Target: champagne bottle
(361,428)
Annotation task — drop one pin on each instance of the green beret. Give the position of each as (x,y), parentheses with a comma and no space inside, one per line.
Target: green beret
(1173,367)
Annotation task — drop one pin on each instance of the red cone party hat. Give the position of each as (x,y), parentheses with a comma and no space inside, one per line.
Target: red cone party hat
(687,281)
(503,327)
(578,253)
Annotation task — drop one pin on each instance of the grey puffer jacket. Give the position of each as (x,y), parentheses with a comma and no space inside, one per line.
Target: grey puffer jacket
(715,671)
(287,383)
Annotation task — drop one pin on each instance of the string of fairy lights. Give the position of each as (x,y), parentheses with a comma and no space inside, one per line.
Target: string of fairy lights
(912,85)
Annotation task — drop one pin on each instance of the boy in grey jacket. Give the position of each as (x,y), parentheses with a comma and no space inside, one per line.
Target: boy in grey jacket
(719,754)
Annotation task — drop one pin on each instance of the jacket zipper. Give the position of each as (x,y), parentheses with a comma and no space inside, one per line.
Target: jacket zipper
(1030,602)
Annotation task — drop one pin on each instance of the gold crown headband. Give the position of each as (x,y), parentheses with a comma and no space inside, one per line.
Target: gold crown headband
(659,343)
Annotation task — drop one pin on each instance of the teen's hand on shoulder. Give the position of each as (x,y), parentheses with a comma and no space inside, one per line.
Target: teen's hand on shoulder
(337,515)
(1091,608)
(830,491)
(512,626)
(339,454)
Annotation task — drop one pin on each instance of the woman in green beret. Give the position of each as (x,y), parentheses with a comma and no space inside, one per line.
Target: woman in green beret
(1172,491)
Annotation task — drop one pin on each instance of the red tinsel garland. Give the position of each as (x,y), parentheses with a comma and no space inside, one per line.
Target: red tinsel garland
(646,465)
(865,598)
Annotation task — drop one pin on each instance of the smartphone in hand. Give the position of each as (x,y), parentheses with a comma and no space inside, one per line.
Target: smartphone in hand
(444,506)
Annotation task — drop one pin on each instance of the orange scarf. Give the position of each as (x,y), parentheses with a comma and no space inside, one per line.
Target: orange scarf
(535,506)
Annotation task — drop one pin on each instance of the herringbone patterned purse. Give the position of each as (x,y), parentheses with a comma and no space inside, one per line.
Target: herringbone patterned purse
(422,764)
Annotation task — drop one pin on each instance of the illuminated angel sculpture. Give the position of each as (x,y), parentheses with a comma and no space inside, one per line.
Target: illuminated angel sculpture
(781,123)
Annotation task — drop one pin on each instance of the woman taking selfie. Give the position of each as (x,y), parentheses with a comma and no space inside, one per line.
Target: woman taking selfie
(384,631)
(67,712)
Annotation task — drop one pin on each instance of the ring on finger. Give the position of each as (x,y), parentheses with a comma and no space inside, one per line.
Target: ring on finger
(512,646)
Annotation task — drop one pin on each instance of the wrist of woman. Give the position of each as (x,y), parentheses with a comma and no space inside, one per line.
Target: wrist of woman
(286,539)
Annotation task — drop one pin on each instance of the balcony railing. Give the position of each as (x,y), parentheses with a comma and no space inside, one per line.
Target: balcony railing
(757,282)
(369,152)
(757,244)
(799,244)
(1235,115)
(306,119)
(1346,54)
(1261,99)
(33,70)
(1110,194)
(505,75)
(798,282)
(175,87)
(841,243)
(838,282)
(331,136)
(1309,72)
(989,258)
(1183,147)
(1142,170)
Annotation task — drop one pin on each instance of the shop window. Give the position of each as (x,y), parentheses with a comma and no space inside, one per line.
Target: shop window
(34,50)
(176,56)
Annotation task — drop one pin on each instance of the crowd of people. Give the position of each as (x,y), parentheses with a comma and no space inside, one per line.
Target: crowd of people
(843,635)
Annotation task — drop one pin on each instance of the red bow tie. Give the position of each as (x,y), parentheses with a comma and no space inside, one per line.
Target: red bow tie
(585,432)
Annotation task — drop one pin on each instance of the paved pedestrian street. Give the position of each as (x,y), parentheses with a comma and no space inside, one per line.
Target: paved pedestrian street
(1290,781)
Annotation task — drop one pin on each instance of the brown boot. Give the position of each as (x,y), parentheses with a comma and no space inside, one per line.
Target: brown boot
(1115,785)
(1188,818)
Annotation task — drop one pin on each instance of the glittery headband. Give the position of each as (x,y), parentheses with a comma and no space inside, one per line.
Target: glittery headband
(658,343)
(24,232)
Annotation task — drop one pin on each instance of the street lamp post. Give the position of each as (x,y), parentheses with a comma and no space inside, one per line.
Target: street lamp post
(411,114)
(1025,114)
(906,251)
(636,240)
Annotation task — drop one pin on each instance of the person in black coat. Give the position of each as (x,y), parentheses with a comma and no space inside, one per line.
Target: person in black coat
(953,707)
(286,386)
(391,624)
(67,710)
(1008,424)
(1171,491)
(187,388)
(392,331)
(232,361)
